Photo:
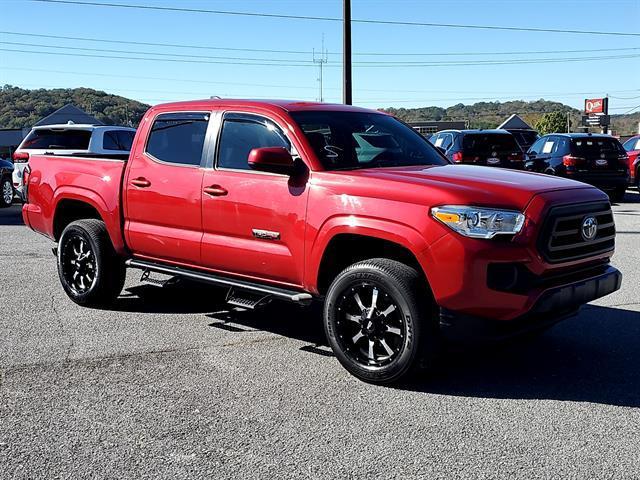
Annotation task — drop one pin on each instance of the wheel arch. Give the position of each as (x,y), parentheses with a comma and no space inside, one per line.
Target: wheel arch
(340,245)
(76,203)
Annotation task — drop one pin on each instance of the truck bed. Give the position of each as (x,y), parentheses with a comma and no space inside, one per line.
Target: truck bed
(94,180)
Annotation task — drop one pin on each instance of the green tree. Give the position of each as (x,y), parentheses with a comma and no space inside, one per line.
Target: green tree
(553,122)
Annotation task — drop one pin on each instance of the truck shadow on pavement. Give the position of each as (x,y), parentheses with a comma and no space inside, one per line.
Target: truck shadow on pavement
(590,358)
(594,357)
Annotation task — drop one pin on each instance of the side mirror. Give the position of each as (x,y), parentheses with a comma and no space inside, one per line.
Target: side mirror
(271,159)
(442,150)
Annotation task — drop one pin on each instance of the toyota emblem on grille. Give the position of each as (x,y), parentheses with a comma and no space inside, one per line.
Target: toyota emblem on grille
(589,228)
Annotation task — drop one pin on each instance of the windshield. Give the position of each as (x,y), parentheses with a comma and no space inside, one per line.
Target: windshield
(489,142)
(72,139)
(351,140)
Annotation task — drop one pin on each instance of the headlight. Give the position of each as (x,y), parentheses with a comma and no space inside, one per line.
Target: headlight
(478,222)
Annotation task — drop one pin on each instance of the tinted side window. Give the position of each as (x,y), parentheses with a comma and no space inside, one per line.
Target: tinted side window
(125,139)
(110,141)
(632,144)
(536,148)
(178,137)
(241,134)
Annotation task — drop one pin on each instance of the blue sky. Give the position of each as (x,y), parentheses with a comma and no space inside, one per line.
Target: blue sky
(374,86)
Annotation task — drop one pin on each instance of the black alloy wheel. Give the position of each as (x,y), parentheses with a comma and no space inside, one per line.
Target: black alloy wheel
(380,320)
(78,264)
(370,325)
(90,271)
(6,192)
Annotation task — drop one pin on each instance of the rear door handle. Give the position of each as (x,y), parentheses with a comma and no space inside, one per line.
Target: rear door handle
(215,190)
(141,182)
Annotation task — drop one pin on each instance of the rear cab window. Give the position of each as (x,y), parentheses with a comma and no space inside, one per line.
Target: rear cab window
(178,138)
(57,139)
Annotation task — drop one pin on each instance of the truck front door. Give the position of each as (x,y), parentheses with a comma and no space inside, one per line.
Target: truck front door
(253,221)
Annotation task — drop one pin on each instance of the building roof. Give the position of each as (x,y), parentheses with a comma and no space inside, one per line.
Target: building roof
(11,137)
(69,113)
(514,122)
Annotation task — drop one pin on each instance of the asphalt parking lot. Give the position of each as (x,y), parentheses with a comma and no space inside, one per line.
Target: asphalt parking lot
(168,384)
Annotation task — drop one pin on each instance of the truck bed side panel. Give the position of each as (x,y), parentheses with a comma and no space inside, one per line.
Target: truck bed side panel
(95,181)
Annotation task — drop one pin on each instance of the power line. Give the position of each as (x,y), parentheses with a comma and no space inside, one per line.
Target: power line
(181,55)
(630,110)
(335,19)
(221,62)
(303,52)
(154,44)
(266,85)
(301,63)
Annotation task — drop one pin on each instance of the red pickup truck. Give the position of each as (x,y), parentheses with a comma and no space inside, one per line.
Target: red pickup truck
(300,201)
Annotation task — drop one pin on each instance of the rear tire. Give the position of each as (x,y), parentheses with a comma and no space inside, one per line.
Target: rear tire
(379,321)
(90,271)
(6,192)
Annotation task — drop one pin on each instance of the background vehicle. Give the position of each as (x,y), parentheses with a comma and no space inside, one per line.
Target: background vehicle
(494,148)
(598,160)
(72,139)
(6,188)
(279,200)
(524,137)
(632,147)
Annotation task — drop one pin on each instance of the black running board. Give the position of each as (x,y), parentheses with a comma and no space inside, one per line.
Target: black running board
(205,277)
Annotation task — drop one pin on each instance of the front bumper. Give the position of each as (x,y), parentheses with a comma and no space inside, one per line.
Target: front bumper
(554,305)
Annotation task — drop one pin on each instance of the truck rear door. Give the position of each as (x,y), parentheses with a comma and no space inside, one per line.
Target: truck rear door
(163,188)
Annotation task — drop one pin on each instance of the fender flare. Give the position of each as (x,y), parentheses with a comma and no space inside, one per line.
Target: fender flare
(389,230)
(110,216)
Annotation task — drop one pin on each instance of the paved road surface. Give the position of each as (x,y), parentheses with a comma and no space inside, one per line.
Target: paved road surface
(174,386)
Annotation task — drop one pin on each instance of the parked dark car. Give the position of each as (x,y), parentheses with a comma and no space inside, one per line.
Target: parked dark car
(6,187)
(524,137)
(493,148)
(599,160)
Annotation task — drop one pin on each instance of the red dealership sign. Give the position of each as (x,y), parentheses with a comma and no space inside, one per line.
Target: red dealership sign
(596,105)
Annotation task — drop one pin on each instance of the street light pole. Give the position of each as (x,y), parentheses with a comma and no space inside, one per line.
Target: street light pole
(346,37)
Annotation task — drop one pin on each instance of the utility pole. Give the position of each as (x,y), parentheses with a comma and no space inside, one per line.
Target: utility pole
(346,51)
(320,60)
(568,123)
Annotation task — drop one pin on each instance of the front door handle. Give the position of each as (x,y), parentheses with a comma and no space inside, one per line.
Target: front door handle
(141,182)
(215,190)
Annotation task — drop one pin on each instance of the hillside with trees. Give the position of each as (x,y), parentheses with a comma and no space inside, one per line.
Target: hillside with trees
(492,114)
(22,108)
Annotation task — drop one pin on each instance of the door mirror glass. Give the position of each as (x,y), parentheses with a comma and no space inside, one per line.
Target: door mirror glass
(271,159)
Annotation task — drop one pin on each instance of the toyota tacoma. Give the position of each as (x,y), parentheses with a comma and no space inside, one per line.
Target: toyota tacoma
(301,201)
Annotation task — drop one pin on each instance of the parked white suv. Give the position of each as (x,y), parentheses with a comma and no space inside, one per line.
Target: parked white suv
(71,139)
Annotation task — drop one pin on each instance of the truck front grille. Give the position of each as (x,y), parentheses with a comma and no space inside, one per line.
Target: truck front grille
(561,238)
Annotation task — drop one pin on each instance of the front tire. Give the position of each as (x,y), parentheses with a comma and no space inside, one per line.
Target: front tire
(6,192)
(89,269)
(380,321)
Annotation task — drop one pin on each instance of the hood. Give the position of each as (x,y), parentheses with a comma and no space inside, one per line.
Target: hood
(462,184)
